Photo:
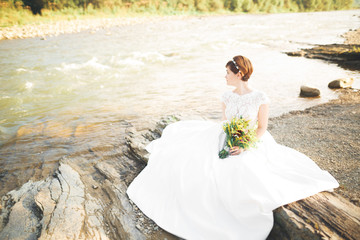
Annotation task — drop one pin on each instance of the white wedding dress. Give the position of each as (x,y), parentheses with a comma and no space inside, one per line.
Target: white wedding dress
(189,191)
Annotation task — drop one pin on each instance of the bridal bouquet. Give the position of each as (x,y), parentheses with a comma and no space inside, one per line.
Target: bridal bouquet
(238,133)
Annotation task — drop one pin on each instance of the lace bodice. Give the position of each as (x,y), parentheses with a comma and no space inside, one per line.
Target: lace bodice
(246,105)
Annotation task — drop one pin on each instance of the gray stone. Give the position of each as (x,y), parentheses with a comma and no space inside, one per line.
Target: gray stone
(55,189)
(341,83)
(68,217)
(22,214)
(47,205)
(95,218)
(50,209)
(306,91)
(137,140)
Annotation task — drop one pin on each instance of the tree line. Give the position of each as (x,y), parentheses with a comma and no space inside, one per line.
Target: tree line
(184,5)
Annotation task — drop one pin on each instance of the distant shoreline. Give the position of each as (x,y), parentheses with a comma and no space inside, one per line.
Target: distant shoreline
(56,28)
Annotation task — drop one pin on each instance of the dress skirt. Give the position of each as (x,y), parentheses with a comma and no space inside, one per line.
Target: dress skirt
(192,193)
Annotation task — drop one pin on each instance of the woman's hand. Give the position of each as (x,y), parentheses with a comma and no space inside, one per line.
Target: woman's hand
(236,150)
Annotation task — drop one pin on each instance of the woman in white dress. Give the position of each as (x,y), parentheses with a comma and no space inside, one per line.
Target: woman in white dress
(189,191)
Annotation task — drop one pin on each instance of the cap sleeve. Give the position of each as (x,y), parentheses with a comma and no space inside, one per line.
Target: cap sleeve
(225,97)
(263,98)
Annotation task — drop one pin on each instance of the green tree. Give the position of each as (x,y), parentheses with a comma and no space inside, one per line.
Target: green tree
(35,5)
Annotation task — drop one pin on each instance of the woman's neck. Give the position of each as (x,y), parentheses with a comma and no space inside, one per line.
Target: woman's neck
(242,88)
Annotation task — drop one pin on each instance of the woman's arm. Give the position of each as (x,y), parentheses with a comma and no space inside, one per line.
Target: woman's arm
(223,111)
(263,117)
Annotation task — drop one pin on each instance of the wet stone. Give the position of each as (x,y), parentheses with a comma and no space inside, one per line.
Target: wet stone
(341,83)
(306,91)
(30,129)
(55,129)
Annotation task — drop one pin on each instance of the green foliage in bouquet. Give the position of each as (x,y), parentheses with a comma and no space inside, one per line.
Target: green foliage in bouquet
(238,133)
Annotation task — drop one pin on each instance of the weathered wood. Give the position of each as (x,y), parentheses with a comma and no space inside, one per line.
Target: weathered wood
(322,216)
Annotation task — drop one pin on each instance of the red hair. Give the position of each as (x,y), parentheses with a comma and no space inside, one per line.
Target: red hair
(243,65)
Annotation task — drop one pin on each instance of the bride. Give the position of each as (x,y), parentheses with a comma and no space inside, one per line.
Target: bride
(189,191)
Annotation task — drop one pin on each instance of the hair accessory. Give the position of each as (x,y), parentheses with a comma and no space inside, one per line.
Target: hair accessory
(236,65)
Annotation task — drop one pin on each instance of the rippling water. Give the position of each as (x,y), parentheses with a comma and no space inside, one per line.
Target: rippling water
(52,90)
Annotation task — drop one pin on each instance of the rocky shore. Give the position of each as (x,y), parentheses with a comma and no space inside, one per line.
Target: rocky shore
(346,55)
(85,196)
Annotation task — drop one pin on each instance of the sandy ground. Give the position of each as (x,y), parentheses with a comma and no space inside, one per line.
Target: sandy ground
(352,37)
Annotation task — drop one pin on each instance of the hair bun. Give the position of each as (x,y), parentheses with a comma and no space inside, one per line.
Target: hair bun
(245,77)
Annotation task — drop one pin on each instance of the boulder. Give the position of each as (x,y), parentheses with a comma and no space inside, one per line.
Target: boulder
(306,91)
(341,83)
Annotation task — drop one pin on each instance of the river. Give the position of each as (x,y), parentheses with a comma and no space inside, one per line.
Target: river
(70,93)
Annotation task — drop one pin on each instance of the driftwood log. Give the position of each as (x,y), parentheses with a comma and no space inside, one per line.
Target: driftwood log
(322,216)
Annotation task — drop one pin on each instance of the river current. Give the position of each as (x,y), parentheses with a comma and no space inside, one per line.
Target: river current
(68,93)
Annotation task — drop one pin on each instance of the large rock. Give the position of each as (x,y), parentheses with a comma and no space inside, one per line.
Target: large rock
(67,219)
(306,91)
(341,83)
(63,207)
(50,209)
